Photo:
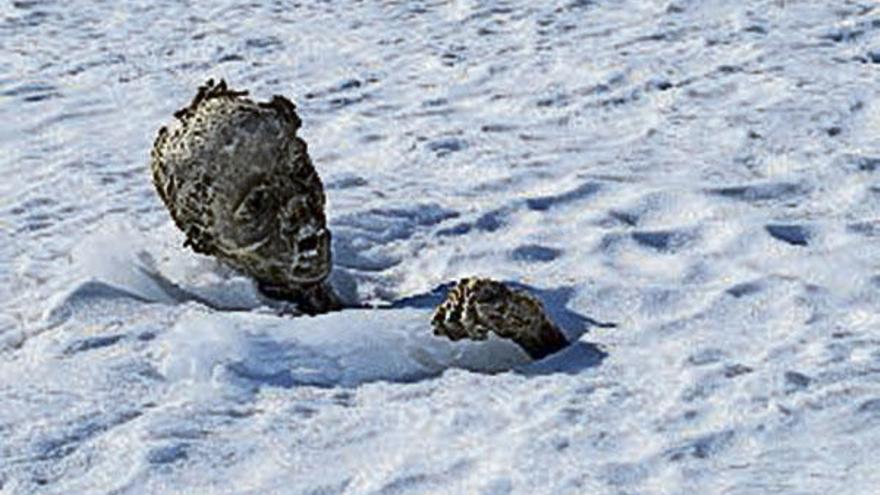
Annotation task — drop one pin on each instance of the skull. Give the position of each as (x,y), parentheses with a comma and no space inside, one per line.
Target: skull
(239,183)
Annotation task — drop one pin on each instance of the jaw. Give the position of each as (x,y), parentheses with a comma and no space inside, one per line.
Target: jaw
(308,265)
(269,265)
(291,255)
(310,260)
(307,274)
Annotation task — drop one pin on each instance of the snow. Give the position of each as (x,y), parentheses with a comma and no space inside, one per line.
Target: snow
(689,186)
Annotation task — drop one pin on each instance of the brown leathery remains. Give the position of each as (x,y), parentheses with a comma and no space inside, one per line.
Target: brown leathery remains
(476,306)
(239,183)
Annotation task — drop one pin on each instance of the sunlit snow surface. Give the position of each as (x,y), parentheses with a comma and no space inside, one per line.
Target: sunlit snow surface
(703,174)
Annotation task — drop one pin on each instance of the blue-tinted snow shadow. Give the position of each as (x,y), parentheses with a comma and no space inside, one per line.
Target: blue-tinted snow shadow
(573,359)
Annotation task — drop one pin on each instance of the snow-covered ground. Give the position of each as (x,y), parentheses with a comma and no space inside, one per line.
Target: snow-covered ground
(703,174)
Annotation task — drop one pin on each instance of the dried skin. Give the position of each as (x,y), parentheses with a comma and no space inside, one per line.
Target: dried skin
(240,184)
(477,306)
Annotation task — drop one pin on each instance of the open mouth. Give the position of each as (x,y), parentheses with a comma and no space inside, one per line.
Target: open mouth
(311,262)
(309,245)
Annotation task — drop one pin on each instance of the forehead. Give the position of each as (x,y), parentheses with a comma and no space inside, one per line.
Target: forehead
(243,149)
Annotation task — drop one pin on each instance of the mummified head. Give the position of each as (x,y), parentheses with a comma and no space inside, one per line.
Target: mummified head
(239,183)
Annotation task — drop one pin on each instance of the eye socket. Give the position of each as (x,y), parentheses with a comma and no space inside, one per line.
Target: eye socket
(258,201)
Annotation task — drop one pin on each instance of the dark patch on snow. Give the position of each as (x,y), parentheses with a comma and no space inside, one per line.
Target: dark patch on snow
(261,43)
(755,29)
(675,8)
(347,182)
(450,58)
(491,221)
(866,163)
(341,87)
(455,230)
(534,253)
(345,101)
(488,222)
(745,289)
(842,35)
(168,454)
(660,85)
(620,100)
(796,381)
(584,191)
(703,389)
(702,447)
(729,69)
(497,128)
(796,235)
(867,229)
(617,217)
(761,192)
(706,356)
(611,242)
(344,398)
(33,92)
(555,101)
(578,4)
(572,360)
(666,241)
(736,369)
(32,204)
(446,146)
(871,407)
(230,57)
(437,102)
(91,343)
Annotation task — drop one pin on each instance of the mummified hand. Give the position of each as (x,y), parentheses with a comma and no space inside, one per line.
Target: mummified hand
(477,306)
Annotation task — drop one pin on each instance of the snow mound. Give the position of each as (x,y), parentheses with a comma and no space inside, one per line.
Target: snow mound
(227,333)
(346,348)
